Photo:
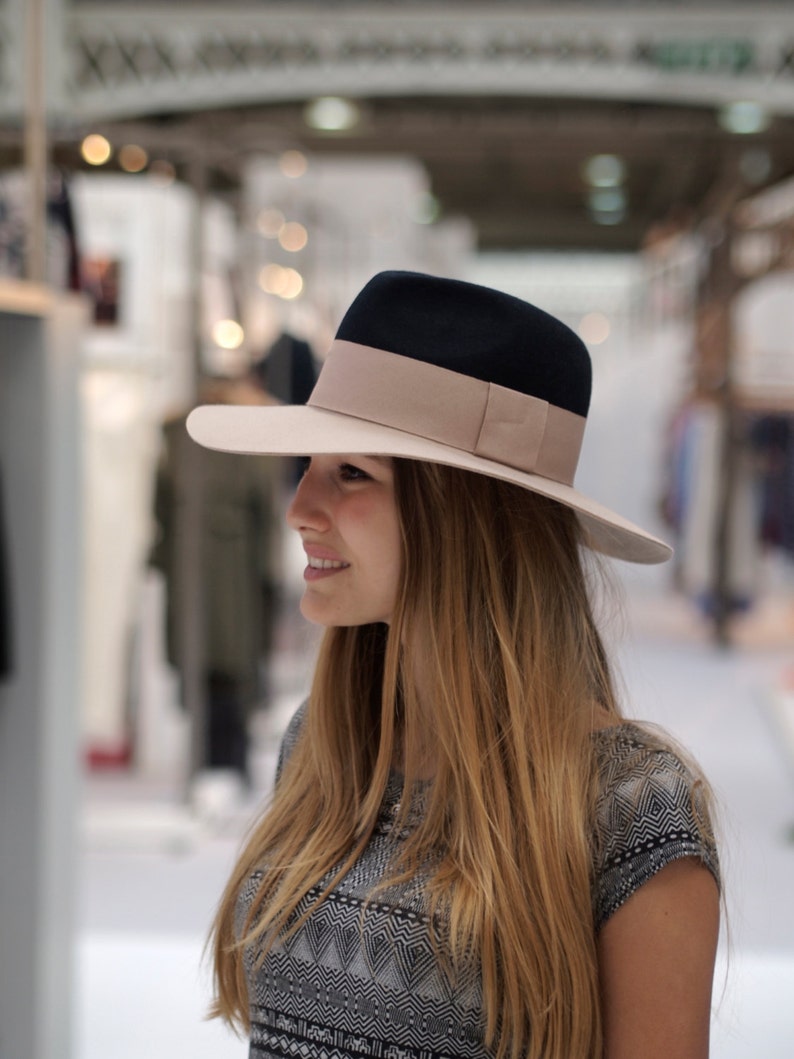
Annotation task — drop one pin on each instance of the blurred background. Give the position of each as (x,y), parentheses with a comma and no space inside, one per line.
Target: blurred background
(190,195)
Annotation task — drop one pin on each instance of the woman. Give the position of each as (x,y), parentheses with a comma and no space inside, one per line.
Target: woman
(468,851)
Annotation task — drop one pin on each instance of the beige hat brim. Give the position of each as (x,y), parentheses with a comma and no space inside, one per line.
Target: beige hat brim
(291,430)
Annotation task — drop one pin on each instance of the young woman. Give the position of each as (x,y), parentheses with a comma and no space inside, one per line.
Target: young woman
(468,852)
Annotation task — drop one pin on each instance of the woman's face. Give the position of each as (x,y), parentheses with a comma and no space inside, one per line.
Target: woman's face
(346,513)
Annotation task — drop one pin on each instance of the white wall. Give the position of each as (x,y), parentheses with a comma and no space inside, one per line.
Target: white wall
(638,372)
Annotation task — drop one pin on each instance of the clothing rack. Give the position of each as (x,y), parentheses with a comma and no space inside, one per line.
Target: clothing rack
(722,283)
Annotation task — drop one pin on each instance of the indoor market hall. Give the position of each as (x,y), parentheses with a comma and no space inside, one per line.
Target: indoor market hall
(191,196)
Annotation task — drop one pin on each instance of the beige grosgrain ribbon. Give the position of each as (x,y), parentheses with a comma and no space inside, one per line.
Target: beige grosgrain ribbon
(478,417)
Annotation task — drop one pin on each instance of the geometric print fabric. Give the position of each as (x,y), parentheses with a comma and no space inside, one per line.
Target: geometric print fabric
(360,978)
(650,812)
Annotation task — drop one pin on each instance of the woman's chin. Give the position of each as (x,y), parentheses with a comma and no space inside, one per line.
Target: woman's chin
(314,613)
(319,613)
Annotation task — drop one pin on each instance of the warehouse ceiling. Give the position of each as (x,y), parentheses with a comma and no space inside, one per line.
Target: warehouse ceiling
(515,167)
(514,164)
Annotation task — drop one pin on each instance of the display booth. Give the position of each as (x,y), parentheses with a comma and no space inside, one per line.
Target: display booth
(40,336)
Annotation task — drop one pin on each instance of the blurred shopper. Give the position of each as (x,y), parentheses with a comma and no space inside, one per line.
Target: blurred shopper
(288,372)
(470,852)
(217,549)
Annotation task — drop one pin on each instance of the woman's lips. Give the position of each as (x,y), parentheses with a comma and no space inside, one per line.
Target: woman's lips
(322,563)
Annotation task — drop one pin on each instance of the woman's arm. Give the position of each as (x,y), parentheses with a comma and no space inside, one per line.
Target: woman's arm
(656,964)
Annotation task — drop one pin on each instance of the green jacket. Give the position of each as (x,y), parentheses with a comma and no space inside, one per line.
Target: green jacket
(216,545)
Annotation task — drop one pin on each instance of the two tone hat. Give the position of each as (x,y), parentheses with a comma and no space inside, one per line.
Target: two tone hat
(435,369)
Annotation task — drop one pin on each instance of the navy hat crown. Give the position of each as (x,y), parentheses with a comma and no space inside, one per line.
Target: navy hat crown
(473,330)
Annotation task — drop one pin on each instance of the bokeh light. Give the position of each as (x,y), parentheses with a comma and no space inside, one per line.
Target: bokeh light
(283,282)
(133,158)
(96,149)
(293,164)
(293,236)
(228,334)
(332,114)
(594,328)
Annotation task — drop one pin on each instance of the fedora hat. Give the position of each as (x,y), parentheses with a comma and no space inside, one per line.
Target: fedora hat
(451,372)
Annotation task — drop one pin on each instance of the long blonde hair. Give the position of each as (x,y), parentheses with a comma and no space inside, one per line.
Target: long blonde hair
(493,660)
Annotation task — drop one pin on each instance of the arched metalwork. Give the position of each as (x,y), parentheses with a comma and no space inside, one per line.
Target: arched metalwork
(116,60)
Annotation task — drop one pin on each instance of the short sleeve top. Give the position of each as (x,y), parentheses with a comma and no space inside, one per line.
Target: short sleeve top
(361,976)
(651,810)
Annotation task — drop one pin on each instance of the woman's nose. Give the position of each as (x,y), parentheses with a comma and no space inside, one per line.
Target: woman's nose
(307,510)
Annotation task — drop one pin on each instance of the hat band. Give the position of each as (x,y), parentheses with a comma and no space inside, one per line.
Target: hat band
(481,418)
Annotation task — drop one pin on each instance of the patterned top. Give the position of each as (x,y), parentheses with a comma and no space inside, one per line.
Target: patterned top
(361,978)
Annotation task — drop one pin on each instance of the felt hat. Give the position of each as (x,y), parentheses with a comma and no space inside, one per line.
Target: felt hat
(451,372)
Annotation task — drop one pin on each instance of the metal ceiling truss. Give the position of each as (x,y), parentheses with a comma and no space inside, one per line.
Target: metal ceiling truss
(113,62)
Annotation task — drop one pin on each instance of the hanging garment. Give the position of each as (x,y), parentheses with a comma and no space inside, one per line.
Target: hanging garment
(772,440)
(233,580)
(703,466)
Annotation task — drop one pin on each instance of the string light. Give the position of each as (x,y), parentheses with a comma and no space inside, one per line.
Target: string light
(293,236)
(228,334)
(594,328)
(96,149)
(293,164)
(331,114)
(132,158)
(283,282)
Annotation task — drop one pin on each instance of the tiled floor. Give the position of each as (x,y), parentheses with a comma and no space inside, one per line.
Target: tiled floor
(152,870)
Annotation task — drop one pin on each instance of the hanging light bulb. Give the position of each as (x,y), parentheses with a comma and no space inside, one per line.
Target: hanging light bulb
(332,114)
(744,117)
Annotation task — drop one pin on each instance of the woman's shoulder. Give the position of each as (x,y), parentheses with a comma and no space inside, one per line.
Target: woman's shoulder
(629,747)
(652,807)
(642,773)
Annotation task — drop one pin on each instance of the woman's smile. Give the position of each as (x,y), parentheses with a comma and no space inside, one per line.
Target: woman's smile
(321,564)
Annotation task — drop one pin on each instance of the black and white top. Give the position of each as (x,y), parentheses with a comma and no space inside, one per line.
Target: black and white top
(360,978)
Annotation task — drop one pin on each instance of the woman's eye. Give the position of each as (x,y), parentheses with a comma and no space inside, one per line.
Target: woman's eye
(349,473)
